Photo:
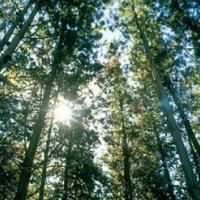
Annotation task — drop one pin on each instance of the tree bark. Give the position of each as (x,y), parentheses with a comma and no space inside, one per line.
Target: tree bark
(66,172)
(46,153)
(186,122)
(170,188)
(46,158)
(195,158)
(128,194)
(8,34)
(7,55)
(28,161)
(191,181)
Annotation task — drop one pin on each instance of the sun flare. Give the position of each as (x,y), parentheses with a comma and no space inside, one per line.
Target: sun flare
(63,113)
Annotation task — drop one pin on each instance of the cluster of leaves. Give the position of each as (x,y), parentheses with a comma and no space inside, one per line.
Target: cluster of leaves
(53,58)
(146,114)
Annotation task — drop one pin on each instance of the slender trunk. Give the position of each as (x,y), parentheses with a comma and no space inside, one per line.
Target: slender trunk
(28,161)
(46,158)
(66,173)
(46,153)
(26,114)
(8,34)
(128,194)
(186,122)
(195,158)
(193,142)
(170,189)
(7,55)
(191,181)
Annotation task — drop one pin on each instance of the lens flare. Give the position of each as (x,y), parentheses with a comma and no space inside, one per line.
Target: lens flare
(63,113)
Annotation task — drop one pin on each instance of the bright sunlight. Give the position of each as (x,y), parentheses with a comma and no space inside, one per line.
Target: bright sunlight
(63,113)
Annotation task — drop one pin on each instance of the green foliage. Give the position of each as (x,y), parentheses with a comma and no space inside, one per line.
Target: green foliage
(112,94)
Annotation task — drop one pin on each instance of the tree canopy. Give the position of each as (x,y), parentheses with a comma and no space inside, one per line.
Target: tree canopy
(99,99)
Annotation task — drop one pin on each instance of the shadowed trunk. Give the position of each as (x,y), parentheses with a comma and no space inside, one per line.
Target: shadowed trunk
(46,153)
(193,142)
(66,172)
(186,122)
(28,161)
(195,158)
(170,189)
(191,181)
(7,55)
(46,158)
(8,34)
(127,180)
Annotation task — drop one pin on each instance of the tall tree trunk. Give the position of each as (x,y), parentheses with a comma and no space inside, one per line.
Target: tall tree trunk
(28,161)
(46,153)
(26,114)
(66,172)
(7,55)
(193,142)
(186,122)
(128,194)
(161,150)
(191,181)
(8,34)
(195,158)
(46,158)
